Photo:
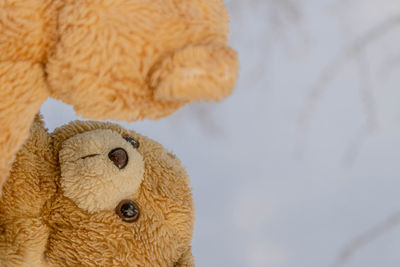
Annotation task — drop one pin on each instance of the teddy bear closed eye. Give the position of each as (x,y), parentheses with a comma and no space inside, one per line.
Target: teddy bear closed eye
(95,194)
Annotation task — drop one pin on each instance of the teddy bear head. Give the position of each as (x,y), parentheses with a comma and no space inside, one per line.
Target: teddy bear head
(135,59)
(109,197)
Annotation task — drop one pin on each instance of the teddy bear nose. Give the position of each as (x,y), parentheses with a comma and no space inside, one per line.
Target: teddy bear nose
(119,157)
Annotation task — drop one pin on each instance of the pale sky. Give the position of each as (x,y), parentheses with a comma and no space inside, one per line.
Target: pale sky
(268,190)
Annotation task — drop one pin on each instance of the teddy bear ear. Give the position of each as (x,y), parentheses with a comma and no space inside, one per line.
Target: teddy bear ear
(18,134)
(38,131)
(38,120)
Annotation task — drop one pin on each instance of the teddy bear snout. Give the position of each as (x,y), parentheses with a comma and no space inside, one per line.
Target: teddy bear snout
(110,170)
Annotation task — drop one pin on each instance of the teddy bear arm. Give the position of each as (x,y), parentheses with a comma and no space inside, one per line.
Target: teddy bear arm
(22,91)
(202,72)
(186,260)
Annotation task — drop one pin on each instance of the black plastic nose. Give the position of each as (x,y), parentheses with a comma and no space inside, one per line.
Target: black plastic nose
(119,157)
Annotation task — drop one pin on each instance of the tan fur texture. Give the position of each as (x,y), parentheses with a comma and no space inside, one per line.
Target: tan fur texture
(41,226)
(110,59)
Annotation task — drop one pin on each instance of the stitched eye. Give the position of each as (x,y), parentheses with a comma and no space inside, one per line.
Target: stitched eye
(132,141)
(127,210)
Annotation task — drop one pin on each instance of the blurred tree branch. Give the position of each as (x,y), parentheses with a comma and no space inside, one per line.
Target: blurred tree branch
(364,239)
(368,104)
(350,52)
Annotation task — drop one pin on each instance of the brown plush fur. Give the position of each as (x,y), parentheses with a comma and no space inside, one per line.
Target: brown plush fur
(40,226)
(110,59)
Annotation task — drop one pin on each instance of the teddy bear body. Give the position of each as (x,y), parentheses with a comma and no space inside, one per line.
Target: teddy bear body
(110,59)
(61,205)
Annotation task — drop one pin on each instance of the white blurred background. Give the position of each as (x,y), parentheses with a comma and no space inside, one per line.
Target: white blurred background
(300,166)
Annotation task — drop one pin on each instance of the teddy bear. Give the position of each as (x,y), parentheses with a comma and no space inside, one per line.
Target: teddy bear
(95,194)
(110,59)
